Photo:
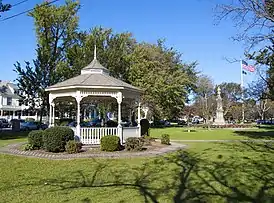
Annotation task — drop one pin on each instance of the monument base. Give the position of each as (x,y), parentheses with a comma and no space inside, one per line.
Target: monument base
(219,123)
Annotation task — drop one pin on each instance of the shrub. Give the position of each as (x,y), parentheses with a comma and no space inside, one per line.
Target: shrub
(165,139)
(134,143)
(110,143)
(55,138)
(35,138)
(29,119)
(73,147)
(147,140)
(28,147)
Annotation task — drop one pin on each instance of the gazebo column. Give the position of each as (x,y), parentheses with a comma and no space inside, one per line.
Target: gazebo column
(53,113)
(50,115)
(78,127)
(119,101)
(139,117)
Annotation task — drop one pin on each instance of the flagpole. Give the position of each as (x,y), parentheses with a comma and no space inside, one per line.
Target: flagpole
(242,88)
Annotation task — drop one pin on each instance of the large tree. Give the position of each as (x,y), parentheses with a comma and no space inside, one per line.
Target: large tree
(113,51)
(259,92)
(165,79)
(255,20)
(55,31)
(205,97)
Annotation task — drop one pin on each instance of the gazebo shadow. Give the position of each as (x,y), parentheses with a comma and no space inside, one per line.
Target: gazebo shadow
(182,177)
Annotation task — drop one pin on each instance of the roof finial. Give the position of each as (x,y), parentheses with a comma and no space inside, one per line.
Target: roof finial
(95,52)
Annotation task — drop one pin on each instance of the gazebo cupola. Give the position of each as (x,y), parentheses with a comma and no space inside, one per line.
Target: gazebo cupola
(95,67)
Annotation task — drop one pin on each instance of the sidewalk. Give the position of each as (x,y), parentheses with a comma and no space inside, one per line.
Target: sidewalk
(250,140)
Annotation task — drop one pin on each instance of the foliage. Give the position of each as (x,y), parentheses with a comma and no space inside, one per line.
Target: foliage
(4,7)
(73,147)
(165,139)
(113,51)
(110,143)
(204,97)
(55,30)
(35,138)
(134,144)
(165,79)
(28,147)
(55,138)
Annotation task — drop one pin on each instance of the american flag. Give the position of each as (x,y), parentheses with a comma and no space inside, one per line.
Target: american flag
(247,67)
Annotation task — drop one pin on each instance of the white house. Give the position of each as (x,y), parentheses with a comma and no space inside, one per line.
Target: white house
(10,106)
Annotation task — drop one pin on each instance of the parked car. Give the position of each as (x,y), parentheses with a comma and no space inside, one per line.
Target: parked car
(4,123)
(83,124)
(265,122)
(28,125)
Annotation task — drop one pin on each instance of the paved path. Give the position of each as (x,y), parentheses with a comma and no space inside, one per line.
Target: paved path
(14,149)
(251,140)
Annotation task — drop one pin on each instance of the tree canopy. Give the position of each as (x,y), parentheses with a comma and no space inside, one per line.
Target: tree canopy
(166,81)
(4,7)
(255,20)
(63,50)
(55,30)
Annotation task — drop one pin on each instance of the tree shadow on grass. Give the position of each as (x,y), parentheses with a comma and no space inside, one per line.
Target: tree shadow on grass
(10,135)
(183,177)
(256,134)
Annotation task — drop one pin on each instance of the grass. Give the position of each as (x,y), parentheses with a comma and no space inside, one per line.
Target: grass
(204,172)
(214,134)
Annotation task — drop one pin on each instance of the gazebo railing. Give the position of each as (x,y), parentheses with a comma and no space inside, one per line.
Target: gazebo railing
(93,135)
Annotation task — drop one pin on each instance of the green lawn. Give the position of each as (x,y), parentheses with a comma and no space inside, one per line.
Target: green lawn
(204,172)
(213,134)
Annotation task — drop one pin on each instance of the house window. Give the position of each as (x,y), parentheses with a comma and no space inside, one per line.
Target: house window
(9,101)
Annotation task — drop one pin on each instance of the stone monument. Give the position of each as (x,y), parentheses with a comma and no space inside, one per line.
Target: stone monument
(219,120)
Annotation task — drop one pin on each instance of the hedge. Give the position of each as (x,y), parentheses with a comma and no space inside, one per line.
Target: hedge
(110,143)
(35,138)
(55,138)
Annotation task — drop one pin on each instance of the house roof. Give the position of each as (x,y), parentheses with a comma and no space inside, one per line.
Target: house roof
(93,75)
(6,91)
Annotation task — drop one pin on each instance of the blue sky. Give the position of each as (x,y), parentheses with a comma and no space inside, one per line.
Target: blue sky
(188,26)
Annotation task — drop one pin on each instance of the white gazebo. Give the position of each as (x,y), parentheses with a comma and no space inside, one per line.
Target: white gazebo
(95,84)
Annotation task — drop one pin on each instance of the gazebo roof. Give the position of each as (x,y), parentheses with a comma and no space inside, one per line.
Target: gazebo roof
(93,75)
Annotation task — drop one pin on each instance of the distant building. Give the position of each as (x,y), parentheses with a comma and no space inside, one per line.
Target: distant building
(10,106)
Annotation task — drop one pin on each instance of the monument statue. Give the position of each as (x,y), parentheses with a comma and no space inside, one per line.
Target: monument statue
(219,120)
